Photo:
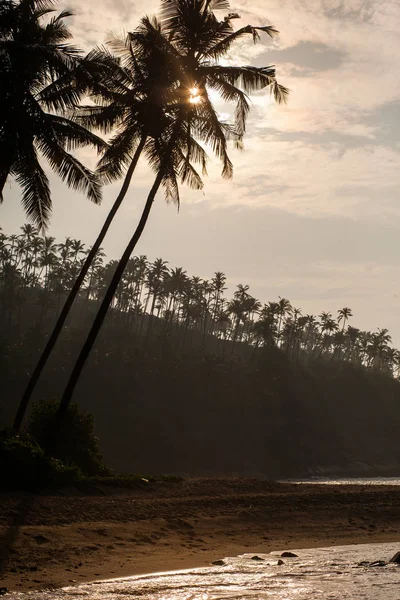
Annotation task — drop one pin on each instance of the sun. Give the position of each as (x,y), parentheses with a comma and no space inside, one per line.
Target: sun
(195,97)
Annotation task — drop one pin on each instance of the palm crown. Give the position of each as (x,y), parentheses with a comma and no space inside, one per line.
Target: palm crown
(35,59)
(168,68)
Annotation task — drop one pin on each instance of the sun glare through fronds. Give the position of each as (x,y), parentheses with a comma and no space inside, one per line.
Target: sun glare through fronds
(195,97)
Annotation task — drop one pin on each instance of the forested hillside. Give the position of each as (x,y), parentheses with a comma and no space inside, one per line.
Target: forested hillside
(184,380)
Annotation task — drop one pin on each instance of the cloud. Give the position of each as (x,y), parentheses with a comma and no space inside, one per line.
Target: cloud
(311,179)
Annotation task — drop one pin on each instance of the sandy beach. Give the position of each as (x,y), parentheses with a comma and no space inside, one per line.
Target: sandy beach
(58,539)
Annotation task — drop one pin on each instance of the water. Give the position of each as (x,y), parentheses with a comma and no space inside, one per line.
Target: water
(320,574)
(350,481)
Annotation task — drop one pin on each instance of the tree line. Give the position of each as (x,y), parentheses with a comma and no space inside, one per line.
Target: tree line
(155,301)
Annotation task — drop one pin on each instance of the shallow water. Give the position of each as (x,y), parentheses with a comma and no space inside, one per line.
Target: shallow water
(323,574)
(350,481)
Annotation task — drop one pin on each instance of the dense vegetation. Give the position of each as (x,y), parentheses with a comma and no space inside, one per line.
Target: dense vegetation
(182,392)
(154,300)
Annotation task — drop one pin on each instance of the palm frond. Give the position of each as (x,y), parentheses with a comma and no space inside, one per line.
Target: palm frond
(223,46)
(71,135)
(70,169)
(280,93)
(119,153)
(187,173)
(248,78)
(208,129)
(219,5)
(193,151)
(103,118)
(36,198)
(230,93)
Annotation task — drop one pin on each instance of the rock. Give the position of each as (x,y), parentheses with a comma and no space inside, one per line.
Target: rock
(289,555)
(363,563)
(218,563)
(3,591)
(40,539)
(280,562)
(378,563)
(395,558)
(256,558)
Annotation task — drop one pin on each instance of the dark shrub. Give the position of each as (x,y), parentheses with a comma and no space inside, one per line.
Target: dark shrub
(72,441)
(24,465)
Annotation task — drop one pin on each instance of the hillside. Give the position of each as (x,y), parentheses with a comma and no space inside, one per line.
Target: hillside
(206,411)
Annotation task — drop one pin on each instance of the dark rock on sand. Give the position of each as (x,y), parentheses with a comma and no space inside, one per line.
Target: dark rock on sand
(289,555)
(256,558)
(280,562)
(378,563)
(3,591)
(40,539)
(218,563)
(395,558)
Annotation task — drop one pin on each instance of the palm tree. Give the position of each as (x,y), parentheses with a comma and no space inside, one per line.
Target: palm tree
(130,91)
(264,330)
(193,40)
(34,56)
(155,278)
(41,77)
(134,99)
(344,315)
(218,285)
(284,308)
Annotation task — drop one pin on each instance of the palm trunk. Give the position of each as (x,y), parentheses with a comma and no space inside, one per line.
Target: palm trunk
(98,322)
(74,292)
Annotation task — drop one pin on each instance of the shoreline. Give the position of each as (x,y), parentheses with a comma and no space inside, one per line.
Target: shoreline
(59,540)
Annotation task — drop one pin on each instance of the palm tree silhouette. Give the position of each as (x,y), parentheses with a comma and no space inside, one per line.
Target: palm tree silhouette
(133,94)
(344,315)
(34,60)
(193,40)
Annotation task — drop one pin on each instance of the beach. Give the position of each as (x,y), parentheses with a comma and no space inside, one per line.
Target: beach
(50,540)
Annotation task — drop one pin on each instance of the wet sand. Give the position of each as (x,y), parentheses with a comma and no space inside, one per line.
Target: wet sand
(58,539)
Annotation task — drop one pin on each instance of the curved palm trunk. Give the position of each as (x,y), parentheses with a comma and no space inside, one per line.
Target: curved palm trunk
(74,292)
(98,322)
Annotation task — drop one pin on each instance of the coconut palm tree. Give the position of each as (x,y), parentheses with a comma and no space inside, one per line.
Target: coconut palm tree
(284,309)
(218,285)
(34,57)
(344,315)
(264,330)
(134,100)
(41,77)
(194,40)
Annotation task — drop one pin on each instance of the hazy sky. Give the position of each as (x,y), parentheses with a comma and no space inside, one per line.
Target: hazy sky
(313,212)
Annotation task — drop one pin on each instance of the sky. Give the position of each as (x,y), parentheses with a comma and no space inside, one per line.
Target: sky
(313,211)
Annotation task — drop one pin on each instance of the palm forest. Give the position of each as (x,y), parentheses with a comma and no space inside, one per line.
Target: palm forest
(176,359)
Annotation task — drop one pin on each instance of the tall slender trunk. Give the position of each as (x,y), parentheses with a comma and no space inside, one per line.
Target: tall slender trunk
(99,319)
(74,292)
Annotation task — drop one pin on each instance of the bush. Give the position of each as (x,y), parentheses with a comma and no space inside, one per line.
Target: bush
(24,465)
(72,441)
